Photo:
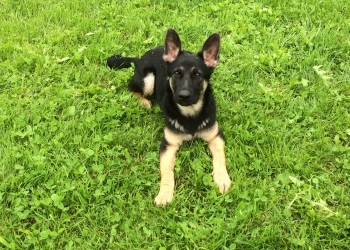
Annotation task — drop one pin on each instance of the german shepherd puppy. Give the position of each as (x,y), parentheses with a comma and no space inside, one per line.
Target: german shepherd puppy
(179,80)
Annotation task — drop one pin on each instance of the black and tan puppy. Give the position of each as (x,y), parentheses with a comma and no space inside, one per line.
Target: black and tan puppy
(179,80)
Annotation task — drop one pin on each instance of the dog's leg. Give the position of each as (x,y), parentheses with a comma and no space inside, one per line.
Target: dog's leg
(142,100)
(216,145)
(167,182)
(220,175)
(142,87)
(168,149)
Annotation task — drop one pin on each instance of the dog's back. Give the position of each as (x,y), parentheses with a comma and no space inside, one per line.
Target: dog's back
(149,72)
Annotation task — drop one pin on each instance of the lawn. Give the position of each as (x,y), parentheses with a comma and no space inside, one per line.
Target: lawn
(79,165)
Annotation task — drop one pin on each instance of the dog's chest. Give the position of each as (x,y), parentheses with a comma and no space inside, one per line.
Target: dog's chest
(190,126)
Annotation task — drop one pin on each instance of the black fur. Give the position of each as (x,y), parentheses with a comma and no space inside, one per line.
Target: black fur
(154,61)
(118,62)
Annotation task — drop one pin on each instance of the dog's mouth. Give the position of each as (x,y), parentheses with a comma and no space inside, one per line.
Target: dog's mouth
(184,103)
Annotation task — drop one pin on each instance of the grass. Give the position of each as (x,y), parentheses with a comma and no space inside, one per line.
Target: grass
(79,156)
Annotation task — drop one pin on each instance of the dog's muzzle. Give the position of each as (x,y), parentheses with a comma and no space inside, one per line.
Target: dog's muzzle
(185,98)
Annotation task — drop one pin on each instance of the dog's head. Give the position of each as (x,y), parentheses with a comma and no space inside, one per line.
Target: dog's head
(189,73)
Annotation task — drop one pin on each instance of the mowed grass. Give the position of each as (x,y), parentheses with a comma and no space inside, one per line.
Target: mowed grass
(79,156)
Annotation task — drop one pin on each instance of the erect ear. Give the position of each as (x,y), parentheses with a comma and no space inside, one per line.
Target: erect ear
(172,46)
(210,50)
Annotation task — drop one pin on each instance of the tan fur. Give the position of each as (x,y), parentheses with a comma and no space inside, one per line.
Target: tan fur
(148,81)
(171,84)
(142,100)
(191,110)
(209,133)
(167,160)
(220,175)
(167,183)
(216,146)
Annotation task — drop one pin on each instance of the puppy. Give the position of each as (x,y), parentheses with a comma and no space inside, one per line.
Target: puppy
(180,82)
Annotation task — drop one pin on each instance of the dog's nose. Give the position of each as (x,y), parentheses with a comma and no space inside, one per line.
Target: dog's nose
(184,95)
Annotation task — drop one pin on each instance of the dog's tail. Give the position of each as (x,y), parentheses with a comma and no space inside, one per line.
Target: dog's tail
(118,62)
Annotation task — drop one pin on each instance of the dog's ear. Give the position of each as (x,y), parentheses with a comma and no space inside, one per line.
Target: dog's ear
(210,50)
(172,46)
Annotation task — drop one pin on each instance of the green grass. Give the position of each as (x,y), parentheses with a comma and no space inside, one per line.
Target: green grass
(79,156)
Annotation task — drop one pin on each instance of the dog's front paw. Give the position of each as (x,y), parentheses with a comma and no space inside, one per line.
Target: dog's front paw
(164,197)
(222,180)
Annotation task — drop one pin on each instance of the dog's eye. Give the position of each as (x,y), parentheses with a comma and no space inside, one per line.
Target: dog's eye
(177,72)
